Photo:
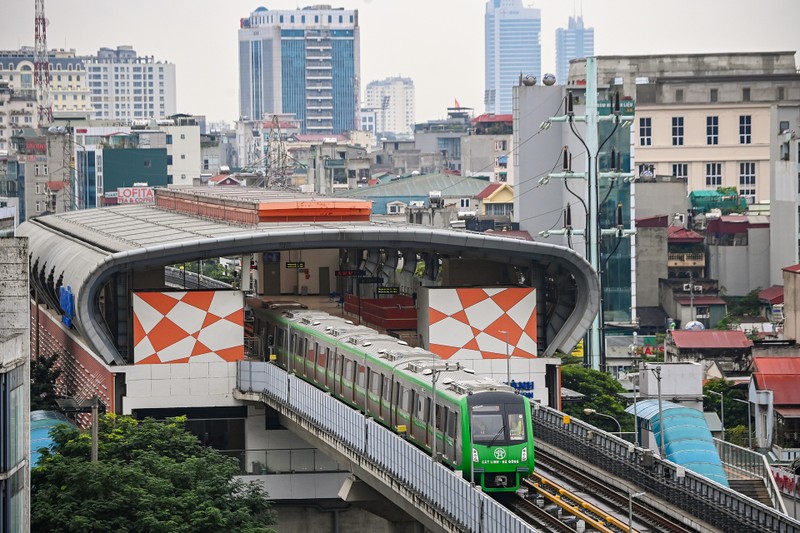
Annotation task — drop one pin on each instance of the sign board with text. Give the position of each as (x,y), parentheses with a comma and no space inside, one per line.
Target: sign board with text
(295,264)
(135,195)
(387,290)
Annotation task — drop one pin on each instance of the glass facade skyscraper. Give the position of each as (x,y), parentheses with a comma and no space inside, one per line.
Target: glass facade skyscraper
(573,42)
(304,62)
(513,47)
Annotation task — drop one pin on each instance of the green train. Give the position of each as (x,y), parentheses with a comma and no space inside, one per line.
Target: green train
(475,425)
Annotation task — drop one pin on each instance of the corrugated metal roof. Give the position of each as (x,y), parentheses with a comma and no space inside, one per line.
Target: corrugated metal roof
(700,300)
(489,190)
(711,339)
(777,365)
(785,390)
(773,295)
(678,234)
(792,412)
(450,185)
(793,268)
(687,439)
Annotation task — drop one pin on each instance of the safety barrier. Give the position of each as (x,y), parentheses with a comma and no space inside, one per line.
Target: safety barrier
(442,494)
(696,495)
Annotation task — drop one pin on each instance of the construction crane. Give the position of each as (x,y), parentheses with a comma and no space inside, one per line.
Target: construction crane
(41,68)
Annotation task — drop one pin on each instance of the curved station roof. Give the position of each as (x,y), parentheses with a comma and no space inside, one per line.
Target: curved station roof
(82,250)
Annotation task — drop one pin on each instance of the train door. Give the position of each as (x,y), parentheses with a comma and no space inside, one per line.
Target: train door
(374,393)
(386,400)
(348,379)
(337,374)
(361,385)
(322,367)
(419,422)
(450,435)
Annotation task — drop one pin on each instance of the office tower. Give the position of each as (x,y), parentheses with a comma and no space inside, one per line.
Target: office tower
(126,86)
(573,42)
(513,47)
(392,100)
(304,62)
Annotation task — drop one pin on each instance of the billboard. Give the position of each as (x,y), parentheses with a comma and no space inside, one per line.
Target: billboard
(474,323)
(187,326)
(135,195)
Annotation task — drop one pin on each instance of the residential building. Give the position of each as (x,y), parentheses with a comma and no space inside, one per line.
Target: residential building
(572,42)
(28,167)
(15,335)
(17,111)
(773,389)
(69,87)
(302,61)
(489,151)
(184,163)
(513,47)
(719,120)
(392,101)
(368,119)
(737,252)
(443,137)
(127,86)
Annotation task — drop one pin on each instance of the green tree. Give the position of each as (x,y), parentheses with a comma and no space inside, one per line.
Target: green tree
(601,393)
(44,374)
(150,476)
(736,413)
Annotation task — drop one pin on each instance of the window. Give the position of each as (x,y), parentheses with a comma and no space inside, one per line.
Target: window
(680,170)
(712,130)
(747,180)
(183,136)
(679,95)
(714,96)
(713,175)
(745,94)
(183,156)
(148,163)
(169,139)
(745,129)
(781,93)
(677,131)
(169,159)
(465,202)
(645,131)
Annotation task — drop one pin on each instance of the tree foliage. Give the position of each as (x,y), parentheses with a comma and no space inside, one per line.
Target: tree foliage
(601,393)
(150,476)
(44,374)
(736,412)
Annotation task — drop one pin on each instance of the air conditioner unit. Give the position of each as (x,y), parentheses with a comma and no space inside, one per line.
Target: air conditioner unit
(687,287)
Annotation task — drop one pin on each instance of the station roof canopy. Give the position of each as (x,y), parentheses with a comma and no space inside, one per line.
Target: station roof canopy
(84,250)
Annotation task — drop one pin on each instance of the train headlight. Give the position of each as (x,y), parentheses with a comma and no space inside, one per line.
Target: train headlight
(524,454)
(475,457)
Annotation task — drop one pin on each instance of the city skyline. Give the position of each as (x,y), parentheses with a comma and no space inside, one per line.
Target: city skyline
(439,45)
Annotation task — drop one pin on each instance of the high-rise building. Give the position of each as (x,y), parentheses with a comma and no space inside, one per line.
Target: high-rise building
(304,62)
(513,47)
(572,42)
(392,100)
(126,86)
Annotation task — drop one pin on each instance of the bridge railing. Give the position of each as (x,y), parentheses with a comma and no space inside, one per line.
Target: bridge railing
(407,469)
(698,496)
(751,464)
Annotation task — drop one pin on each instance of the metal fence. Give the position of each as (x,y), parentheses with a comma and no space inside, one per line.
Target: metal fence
(698,496)
(443,495)
(753,465)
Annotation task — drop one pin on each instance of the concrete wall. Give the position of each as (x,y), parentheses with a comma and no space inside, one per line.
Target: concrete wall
(784,230)
(654,198)
(791,304)
(741,269)
(651,264)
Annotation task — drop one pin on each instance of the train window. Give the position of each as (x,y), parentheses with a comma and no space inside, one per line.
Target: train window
(405,399)
(375,383)
(322,357)
(422,408)
(439,411)
(451,424)
(516,427)
(348,370)
(361,373)
(387,391)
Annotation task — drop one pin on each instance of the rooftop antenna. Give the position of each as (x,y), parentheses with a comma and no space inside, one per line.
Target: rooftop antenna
(41,68)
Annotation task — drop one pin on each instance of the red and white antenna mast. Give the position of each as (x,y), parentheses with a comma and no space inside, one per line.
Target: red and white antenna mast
(41,68)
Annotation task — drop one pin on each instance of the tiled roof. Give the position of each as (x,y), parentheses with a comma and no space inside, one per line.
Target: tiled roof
(773,295)
(488,191)
(700,300)
(710,339)
(793,268)
(679,234)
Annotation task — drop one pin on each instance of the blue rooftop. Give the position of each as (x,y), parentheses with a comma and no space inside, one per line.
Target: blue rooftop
(41,424)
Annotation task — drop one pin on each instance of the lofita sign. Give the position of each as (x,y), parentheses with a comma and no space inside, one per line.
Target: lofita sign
(135,195)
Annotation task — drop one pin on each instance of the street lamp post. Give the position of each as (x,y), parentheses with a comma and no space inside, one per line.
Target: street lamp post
(508,361)
(749,425)
(631,496)
(590,412)
(721,410)
(657,373)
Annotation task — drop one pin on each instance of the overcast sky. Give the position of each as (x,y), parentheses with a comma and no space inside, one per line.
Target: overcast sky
(437,43)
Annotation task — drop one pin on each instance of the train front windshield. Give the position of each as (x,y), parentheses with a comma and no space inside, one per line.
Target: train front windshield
(500,424)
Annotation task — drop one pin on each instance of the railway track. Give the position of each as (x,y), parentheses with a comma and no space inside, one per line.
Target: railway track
(617,500)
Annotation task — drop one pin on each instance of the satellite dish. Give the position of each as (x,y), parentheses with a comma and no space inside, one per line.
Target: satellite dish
(694,325)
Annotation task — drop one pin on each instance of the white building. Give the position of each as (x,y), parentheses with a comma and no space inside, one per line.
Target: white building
(392,101)
(184,162)
(68,81)
(125,85)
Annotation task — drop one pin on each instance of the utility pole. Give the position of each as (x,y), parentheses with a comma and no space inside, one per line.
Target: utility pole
(593,233)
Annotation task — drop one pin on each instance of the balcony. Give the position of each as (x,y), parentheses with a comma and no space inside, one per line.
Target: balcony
(686,260)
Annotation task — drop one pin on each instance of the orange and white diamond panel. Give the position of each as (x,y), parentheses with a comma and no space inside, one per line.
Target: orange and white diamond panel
(188,326)
(471,323)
